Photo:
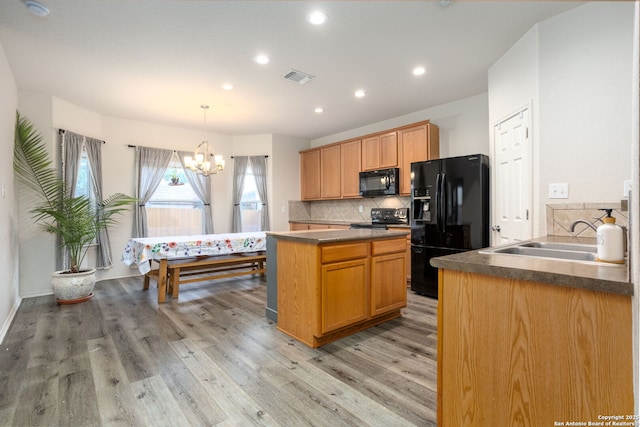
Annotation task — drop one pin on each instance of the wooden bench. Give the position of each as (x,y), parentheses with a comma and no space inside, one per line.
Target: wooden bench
(199,269)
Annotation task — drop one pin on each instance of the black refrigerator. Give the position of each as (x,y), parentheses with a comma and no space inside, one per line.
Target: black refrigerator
(450,213)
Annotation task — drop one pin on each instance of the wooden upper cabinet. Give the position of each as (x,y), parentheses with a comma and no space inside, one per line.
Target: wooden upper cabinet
(350,166)
(310,175)
(330,172)
(380,151)
(417,143)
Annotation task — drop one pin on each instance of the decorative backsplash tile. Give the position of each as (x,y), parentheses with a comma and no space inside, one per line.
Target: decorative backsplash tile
(561,216)
(343,210)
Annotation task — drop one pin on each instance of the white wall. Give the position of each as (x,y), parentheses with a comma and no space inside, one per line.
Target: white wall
(286,179)
(9,261)
(462,123)
(576,69)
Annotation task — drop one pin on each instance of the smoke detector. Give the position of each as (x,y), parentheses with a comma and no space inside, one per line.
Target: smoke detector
(298,77)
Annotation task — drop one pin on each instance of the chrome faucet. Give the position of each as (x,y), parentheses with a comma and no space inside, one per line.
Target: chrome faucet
(583,221)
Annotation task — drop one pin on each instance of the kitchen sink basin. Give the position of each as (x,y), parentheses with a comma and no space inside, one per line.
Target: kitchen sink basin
(548,253)
(578,247)
(574,252)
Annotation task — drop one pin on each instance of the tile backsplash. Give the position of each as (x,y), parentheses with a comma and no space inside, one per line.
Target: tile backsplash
(561,216)
(343,210)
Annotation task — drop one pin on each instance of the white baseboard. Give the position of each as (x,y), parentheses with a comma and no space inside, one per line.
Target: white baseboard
(7,323)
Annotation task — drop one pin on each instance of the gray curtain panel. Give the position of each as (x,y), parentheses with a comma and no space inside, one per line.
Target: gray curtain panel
(71,148)
(259,166)
(94,155)
(240,164)
(151,164)
(202,187)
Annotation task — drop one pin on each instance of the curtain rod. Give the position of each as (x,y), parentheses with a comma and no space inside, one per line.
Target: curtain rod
(63,131)
(143,146)
(265,156)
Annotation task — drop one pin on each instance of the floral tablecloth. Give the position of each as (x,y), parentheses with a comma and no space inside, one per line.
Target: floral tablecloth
(140,251)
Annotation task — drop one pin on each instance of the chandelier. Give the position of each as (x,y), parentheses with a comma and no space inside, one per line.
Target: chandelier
(201,160)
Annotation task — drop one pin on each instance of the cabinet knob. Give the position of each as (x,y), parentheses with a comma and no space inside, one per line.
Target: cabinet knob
(496,228)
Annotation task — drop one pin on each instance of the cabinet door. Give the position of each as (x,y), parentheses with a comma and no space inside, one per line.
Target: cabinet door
(389,150)
(388,283)
(330,172)
(371,153)
(310,175)
(350,160)
(345,295)
(415,147)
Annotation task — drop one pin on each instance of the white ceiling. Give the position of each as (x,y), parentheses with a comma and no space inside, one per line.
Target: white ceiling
(159,60)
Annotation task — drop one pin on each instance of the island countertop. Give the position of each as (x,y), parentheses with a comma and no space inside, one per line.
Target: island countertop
(333,236)
(605,278)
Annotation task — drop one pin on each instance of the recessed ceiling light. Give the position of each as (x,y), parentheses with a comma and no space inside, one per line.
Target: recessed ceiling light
(261,59)
(359,93)
(319,110)
(36,8)
(227,86)
(317,18)
(418,71)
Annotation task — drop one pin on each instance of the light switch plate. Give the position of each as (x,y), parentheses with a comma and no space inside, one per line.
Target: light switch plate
(559,190)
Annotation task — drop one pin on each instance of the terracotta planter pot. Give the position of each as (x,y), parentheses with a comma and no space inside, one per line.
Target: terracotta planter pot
(71,288)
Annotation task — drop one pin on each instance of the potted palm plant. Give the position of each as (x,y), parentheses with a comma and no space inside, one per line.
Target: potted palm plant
(75,220)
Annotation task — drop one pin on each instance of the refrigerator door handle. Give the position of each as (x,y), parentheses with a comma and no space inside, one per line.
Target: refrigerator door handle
(443,203)
(438,203)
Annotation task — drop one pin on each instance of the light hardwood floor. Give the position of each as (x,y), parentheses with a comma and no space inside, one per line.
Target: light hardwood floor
(210,357)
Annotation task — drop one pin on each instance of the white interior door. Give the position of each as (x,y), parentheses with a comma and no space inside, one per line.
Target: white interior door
(512,179)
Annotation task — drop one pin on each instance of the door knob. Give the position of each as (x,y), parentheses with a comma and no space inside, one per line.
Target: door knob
(496,228)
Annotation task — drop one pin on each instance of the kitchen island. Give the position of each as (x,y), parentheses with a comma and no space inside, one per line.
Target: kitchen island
(532,341)
(333,283)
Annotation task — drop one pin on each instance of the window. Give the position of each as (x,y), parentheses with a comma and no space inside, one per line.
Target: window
(250,203)
(84,180)
(174,209)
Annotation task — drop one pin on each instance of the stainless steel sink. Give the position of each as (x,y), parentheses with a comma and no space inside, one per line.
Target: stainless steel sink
(578,247)
(574,252)
(548,253)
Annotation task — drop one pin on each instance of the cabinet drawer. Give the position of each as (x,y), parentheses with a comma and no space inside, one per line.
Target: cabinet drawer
(388,246)
(335,253)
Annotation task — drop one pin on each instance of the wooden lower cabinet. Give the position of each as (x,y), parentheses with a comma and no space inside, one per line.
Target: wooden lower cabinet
(329,291)
(517,352)
(344,293)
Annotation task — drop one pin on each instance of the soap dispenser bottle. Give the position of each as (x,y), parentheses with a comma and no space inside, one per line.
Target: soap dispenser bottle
(610,243)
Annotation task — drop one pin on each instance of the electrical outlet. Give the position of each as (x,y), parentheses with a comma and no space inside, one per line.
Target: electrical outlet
(360,209)
(559,191)
(627,188)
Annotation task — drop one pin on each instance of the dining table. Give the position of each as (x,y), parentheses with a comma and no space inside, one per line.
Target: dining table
(142,251)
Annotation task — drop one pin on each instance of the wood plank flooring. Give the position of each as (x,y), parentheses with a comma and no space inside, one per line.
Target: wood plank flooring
(209,358)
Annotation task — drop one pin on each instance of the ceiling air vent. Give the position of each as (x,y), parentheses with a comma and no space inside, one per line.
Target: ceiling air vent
(298,77)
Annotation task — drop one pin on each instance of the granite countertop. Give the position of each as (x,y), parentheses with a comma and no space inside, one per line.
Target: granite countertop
(335,222)
(335,236)
(597,277)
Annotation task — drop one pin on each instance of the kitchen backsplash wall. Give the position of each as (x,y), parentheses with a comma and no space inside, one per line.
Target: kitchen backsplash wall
(561,216)
(343,210)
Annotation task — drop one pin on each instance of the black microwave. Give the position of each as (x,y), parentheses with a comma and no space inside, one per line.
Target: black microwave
(382,182)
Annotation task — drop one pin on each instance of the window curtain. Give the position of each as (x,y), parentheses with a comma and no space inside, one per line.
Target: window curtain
(151,164)
(202,187)
(94,155)
(71,149)
(240,164)
(259,166)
